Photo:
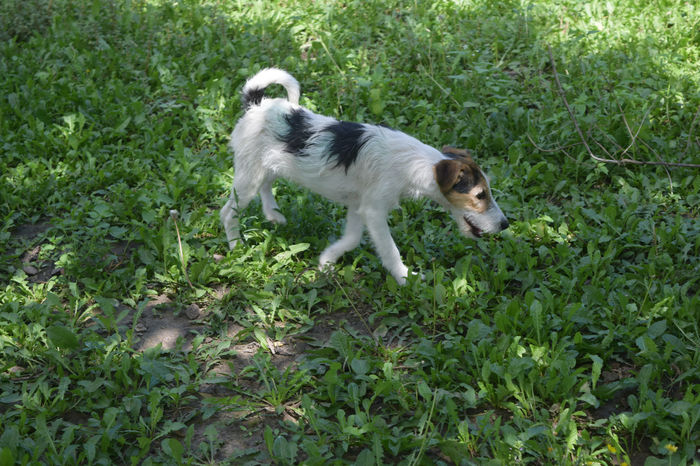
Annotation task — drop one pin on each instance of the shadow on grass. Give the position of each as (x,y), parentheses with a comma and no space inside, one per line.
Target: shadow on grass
(96,121)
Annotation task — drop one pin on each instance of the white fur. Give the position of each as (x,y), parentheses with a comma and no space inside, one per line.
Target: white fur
(390,166)
(274,76)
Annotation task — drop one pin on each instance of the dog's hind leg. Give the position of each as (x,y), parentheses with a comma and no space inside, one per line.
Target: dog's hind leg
(269,205)
(354,226)
(243,191)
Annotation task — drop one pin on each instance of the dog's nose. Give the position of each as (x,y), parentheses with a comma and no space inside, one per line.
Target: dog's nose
(504,224)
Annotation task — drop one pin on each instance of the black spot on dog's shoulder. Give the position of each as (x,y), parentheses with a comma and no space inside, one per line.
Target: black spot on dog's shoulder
(298,132)
(253,97)
(347,141)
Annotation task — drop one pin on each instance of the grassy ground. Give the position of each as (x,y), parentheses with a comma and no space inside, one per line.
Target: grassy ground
(571,338)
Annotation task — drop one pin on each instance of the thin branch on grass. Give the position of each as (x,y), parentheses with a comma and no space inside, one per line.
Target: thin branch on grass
(668,173)
(430,73)
(629,130)
(555,149)
(690,131)
(444,91)
(621,161)
(602,147)
(352,304)
(634,138)
(320,40)
(607,136)
(330,55)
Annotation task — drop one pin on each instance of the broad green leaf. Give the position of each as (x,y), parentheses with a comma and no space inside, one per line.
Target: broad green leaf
(62,337)
(360,366)
(657,329)
(365,458)
(597,367)
(173,448)
(268,436)
(7,457)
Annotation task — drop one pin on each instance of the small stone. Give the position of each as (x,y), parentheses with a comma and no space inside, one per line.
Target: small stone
(140,328)
(218,257)
(31,255)
(192,311)
(30,269)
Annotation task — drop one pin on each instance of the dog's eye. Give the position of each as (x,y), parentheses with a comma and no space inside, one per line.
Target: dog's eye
(481,195)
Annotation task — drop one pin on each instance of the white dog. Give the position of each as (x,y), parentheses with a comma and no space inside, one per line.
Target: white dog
(367,168)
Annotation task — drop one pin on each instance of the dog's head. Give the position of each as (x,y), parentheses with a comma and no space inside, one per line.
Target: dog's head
(468,193)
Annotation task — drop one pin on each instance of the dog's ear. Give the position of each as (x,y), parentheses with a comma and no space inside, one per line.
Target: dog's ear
(458,152)
(447,173)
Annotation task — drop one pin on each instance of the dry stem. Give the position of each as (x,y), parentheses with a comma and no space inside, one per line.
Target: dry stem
(621,161)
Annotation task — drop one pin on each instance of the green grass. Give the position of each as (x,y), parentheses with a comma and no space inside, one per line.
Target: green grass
(571,338)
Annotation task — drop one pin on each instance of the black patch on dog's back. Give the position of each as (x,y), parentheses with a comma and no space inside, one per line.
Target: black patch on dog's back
(252,97)
(298,134)
(348,138)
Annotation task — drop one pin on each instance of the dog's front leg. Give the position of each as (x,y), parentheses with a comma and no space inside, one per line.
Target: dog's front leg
(376,221)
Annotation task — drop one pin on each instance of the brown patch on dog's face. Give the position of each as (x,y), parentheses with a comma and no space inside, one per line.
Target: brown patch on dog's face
(462,183)
(467,192)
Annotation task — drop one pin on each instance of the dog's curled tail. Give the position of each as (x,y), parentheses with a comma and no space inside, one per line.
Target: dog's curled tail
(254,89)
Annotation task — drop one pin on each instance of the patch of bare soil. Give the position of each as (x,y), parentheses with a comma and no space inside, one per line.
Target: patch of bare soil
(38,270)
(41,270)
(161,324)
(618,402)
(356,323)
(239,430)
(233,437)
(240,433)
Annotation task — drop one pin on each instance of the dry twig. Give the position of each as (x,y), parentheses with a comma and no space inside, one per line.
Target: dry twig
(555,149)
(690,131)
(621,161)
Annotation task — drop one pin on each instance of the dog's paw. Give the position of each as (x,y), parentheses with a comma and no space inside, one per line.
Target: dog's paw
(276,217)
(325,265)
(327,259)
(328,269)
(400,273)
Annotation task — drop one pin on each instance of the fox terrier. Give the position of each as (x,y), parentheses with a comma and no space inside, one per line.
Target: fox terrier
(367,168)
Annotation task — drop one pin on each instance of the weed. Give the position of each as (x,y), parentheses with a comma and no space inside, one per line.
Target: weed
(570,338)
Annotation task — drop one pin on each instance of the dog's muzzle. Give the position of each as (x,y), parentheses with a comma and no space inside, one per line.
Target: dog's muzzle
(475,230)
